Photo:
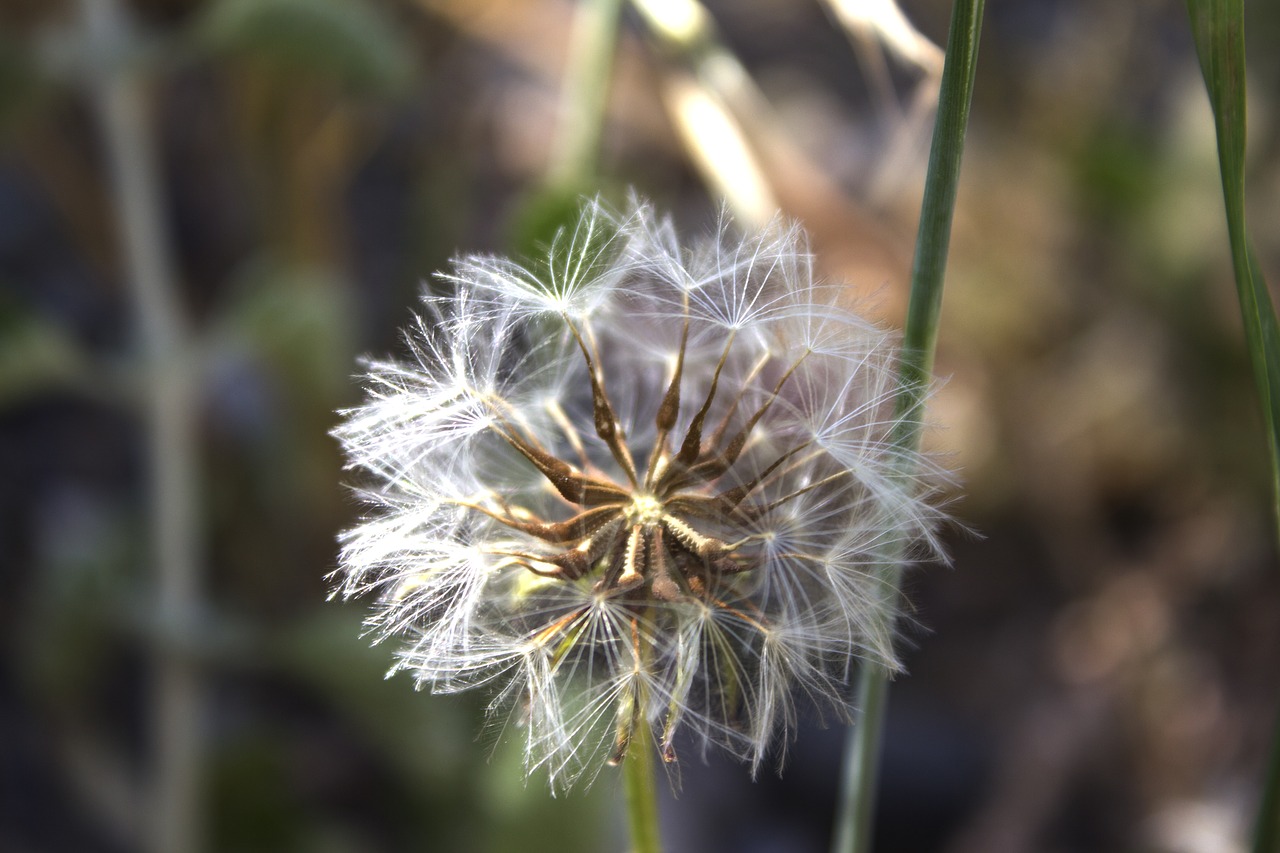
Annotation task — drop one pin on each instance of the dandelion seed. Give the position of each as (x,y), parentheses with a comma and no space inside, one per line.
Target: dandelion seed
(640,485)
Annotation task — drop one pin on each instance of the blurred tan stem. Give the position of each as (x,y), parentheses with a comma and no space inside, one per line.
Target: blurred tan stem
(586,88)
(173,824)
(716,108)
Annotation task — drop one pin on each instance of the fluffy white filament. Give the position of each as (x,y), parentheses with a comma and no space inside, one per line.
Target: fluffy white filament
(637,484)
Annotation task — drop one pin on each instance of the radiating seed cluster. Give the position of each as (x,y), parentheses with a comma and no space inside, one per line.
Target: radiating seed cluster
(636,485)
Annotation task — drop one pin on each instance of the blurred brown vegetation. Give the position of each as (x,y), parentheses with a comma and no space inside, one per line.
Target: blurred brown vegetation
(1097,672)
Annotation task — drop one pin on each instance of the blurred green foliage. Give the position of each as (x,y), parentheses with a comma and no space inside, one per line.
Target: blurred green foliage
(21,84)
(35,355)
(348,42)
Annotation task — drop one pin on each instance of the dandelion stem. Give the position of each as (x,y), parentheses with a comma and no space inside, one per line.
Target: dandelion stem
(858,789)
(587,77)
(642,792)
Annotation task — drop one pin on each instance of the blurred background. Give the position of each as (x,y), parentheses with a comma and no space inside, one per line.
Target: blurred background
(210,208)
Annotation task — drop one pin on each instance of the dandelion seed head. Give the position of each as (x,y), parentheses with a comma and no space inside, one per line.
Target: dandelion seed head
(636,484)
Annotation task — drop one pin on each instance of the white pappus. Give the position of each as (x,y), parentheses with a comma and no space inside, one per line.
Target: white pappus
(638,488)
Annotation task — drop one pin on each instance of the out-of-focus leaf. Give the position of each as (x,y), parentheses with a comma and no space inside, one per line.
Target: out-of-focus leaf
(430,741)
(81,593)
(1116,173)
(562,239)
(20,84)
(298,320)
(348,41)
(254,805)
(1218,28)
(539,216)
(35,356)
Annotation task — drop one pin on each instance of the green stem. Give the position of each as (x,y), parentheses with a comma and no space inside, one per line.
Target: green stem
(642,792)
(587,76)
(862,755)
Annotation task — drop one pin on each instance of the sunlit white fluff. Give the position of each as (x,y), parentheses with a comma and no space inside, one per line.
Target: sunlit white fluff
(636,488)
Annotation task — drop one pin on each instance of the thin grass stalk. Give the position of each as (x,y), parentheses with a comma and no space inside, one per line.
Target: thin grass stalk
(862,755)
(587,74)
(858,789)
(173,817)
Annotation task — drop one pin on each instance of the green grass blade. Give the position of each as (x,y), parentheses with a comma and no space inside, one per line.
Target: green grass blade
(862,754)
(1218,28)
(1266,837)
